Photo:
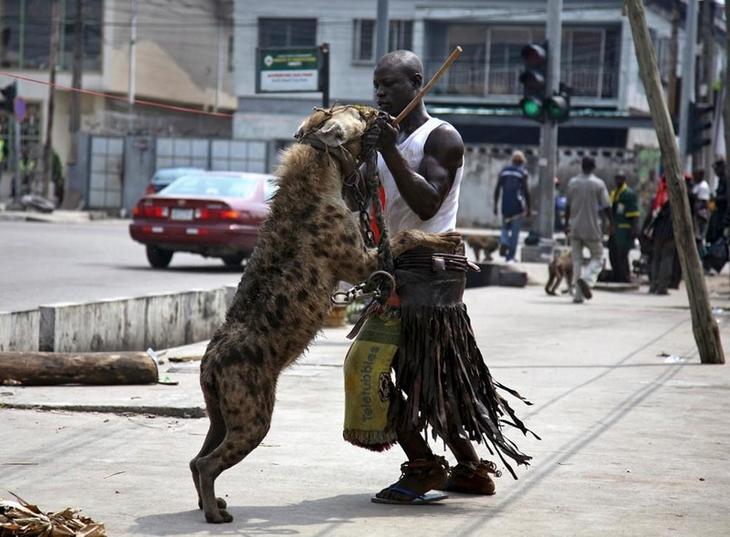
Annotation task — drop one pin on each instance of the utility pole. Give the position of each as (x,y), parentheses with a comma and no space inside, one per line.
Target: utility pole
(704,326)
(132,62)
(74,124)
(382,27)
(707,95)
(218,67)
(688,81)
(549,132)
(52,60)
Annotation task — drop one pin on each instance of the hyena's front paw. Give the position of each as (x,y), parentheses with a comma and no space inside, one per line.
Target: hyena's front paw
(446,242)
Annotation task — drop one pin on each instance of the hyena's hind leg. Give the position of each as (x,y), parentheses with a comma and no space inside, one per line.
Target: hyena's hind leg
(216,434)
(247,416)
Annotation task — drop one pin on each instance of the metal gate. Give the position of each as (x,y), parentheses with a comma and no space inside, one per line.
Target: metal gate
(182,152)
(238,155)
(105,177)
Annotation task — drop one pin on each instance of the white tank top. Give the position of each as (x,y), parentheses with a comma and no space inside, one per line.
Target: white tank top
(399,215)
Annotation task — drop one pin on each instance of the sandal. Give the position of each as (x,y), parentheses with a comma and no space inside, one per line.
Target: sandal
(473,478)
(429,471)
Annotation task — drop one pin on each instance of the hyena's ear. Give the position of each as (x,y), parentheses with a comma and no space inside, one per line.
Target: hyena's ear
(331,134)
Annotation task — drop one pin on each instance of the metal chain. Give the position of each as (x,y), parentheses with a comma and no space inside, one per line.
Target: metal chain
(380,283)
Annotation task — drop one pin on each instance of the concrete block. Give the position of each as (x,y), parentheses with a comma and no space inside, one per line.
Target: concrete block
(205,311)
(489,275)
(165,320)
(541,253)
(508,278)
(230,293)
(19,330)
(107,325)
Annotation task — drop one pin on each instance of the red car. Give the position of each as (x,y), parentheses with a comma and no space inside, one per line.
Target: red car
(215,214)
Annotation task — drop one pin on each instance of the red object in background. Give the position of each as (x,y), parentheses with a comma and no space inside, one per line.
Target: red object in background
(215,214)
(373,220)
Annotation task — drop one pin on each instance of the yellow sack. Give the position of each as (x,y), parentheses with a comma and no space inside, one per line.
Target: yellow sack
(368,384)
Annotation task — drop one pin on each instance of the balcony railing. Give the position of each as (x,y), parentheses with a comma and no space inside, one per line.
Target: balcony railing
(484,80)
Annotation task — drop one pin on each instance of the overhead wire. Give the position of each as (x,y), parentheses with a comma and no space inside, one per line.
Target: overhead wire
(112,96)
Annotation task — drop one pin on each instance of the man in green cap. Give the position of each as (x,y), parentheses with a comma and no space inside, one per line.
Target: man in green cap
(625,212)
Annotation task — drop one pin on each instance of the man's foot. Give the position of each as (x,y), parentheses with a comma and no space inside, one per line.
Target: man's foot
(577,300)
(417,477)
(585,288)
(473,478)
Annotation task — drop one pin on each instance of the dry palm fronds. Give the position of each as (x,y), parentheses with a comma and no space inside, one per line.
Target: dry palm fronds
(20,518)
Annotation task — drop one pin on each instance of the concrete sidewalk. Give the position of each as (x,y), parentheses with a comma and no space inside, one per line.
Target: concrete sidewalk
(58,216)
(635,436)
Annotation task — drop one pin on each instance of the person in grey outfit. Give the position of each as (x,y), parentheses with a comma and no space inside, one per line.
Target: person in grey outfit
(587,199)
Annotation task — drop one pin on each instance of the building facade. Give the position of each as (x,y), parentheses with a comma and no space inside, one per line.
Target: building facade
(183,58)
(479,94)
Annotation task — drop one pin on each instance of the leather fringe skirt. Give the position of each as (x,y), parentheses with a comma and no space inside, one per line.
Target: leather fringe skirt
(441,380)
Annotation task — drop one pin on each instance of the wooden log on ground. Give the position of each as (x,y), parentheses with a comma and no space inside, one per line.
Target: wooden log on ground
(704,326)
(95,368)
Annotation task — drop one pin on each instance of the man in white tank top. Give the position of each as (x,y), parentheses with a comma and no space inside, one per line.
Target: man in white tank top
(420,165)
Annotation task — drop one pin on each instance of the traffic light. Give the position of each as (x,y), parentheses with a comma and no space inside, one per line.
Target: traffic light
(557,107)
(699,123)
(9,93)
(533,79)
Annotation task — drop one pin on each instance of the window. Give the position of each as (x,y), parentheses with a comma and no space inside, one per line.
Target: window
(25,32)
(287,33)
(505,57)
(400,36)
(661,48)
(589,63)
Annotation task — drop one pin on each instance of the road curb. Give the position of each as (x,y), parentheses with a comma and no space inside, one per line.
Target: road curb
(164,412)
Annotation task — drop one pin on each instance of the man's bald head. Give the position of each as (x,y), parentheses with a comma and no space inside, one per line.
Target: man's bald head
(405,62)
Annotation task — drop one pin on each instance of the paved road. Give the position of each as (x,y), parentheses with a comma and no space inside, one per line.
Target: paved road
(44,263)
(634,442)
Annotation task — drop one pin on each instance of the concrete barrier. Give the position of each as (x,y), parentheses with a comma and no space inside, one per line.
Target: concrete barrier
(19,330)
(130,324)
(205,311)
(164,320)
(107,325)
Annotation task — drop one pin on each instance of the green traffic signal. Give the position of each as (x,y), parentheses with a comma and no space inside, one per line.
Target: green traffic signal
(531,107)
(557,107)
(532,78)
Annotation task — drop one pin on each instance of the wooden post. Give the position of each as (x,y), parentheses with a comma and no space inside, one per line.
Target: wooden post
(704,326)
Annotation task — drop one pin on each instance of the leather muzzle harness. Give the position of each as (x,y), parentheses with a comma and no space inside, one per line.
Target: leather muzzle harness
(362,181)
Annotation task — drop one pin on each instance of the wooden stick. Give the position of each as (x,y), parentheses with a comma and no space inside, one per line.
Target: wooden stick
(425,89)
(704,326)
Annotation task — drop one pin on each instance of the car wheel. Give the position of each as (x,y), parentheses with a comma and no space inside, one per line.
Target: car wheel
(233,260)
(158,257)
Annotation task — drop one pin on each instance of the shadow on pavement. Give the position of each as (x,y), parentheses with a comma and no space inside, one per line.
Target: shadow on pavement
(336,512)
(210,269)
